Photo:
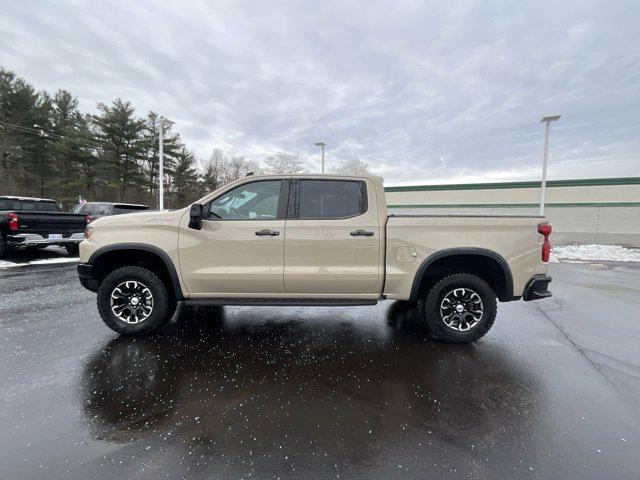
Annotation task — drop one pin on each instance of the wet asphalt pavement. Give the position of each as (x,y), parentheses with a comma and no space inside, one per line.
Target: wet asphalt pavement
(553,391)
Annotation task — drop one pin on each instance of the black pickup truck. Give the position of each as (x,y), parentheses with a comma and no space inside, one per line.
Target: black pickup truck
(36,223)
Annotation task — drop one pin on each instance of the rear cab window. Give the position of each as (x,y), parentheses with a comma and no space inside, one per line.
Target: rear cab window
(28,205)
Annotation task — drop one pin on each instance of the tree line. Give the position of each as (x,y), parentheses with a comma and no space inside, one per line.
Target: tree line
(48,148)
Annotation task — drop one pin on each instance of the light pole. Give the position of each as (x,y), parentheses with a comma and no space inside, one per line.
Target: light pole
(161,164)
(543,185)
(322,145)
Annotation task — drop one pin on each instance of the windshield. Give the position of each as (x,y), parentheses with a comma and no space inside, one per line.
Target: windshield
(118,209)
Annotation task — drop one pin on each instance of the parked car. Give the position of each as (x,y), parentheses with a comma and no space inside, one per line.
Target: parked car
(313,240)
(38,222)
(95,210)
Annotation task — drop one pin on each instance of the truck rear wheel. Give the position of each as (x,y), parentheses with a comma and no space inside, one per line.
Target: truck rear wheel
(460,308)
(134,301)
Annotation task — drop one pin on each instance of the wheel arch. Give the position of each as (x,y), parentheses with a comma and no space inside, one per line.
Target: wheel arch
(487,264)
(108,258)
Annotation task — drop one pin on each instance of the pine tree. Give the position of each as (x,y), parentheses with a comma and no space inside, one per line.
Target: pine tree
(209,179)
(24,145)
(66,126)
(121,146)
(184,186)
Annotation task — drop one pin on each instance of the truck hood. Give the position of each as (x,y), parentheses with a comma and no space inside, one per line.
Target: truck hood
(141,218)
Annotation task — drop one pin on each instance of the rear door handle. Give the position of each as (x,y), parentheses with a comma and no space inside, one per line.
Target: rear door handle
(267,233)
(361,233)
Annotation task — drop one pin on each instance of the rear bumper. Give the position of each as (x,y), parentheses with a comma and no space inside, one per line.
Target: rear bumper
(537,288)
(31,239)
(86,274)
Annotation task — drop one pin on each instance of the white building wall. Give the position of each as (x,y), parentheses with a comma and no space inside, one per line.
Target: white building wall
(580,212)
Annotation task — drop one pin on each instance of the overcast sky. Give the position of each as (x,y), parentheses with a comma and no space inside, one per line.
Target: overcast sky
(424,92)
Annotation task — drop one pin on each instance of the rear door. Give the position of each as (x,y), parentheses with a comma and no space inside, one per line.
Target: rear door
(332,239)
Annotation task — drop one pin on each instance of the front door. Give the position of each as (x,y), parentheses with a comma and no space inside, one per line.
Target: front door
(332,240)
(239,250)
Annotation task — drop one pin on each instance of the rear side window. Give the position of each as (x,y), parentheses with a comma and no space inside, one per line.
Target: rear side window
(331,198)
(99,210)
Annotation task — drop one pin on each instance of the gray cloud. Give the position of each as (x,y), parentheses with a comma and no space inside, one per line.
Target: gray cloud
(423,92)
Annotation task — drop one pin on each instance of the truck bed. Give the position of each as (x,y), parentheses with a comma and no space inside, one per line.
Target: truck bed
(42,228)
(412,239)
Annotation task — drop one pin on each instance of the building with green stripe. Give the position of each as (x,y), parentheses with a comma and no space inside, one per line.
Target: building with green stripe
(600,210)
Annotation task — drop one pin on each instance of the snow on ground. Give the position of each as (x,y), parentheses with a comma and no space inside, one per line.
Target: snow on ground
(612,253)
(44,261)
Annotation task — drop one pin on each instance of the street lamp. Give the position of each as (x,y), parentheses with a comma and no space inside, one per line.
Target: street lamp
(322,145)
(543,185)
(161,165)
(162,122)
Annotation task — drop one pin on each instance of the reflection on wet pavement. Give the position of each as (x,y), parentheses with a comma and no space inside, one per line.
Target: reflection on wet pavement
(253,391)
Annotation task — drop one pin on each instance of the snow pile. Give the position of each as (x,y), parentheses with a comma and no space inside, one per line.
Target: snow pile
(612,253)
(54,260)
(45,261)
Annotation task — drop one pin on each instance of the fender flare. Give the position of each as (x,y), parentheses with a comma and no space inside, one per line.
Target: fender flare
(422,270)
(171,268)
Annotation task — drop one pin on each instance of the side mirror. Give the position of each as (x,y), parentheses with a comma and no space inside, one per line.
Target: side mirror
(195,216)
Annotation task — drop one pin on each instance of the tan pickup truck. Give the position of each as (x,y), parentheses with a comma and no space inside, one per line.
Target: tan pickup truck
(312,240)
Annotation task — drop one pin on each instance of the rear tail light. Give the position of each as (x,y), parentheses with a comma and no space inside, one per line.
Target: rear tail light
(88,218)
(545,229)
(13,222)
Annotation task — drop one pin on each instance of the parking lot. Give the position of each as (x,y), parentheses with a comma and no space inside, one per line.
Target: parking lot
(551,392)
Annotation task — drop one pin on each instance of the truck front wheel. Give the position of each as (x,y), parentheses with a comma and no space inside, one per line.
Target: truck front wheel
(134,301)
(460,308)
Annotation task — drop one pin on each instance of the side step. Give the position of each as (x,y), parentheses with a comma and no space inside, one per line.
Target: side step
(278,302)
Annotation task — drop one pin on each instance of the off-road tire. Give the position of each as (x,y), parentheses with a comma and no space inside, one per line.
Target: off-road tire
(429,308)
(163,305)
(4,249)
(72,248)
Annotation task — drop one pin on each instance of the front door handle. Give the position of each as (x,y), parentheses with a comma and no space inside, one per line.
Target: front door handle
(267,233)
(361,233)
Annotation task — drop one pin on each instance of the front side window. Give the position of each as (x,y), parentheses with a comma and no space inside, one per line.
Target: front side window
(256,200)
(332,198)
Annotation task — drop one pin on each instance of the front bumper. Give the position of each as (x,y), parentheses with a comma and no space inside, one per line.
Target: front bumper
(31,239)
(86,274)
(537,288)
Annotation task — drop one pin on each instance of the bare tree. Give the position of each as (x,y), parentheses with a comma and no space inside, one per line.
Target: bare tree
(219,169)
(284,163)
(238,167)
(213,170)
(354,167)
